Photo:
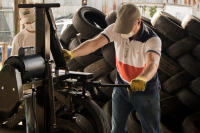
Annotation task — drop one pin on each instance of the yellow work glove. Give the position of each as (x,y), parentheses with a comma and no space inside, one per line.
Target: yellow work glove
(137,84)
(68,55)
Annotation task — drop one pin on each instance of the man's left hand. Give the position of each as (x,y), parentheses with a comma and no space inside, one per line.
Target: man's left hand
(137,84)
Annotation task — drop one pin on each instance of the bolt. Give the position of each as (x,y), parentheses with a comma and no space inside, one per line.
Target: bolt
(2,87)
(13,89)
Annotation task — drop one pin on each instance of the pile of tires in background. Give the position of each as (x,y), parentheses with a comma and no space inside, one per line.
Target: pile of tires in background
(179,69)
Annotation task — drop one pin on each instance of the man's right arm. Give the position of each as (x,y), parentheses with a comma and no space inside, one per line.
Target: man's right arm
(90,46)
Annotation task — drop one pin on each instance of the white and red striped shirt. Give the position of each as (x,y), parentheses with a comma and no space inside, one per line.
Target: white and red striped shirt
(130,55)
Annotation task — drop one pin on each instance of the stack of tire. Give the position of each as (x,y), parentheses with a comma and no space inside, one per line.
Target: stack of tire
(179,71)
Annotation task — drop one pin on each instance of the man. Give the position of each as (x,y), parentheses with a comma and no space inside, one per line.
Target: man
(26,37)
(138,51)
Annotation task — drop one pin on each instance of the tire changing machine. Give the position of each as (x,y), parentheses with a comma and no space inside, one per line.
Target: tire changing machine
(31,69)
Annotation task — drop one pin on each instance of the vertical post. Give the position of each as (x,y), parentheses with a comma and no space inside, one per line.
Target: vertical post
(4,52)
(43,49)
(16,18)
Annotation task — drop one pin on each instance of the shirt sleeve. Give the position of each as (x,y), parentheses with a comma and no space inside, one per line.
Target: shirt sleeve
(109,33)
(154,45)
(15,46)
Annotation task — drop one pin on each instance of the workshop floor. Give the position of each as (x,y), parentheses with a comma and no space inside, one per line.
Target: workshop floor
(18,129)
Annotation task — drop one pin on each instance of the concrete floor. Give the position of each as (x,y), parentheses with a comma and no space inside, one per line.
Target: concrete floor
(18,129)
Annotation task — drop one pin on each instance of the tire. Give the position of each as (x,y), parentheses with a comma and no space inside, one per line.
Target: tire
(84,124)
(170,105)
(111,17)
(107,109)
(81,105)
(190,64)
(164,129)
(87,59)
(189,99)
(191,23)
(169,26)
(168,66)
(113,75)
(16,118)
(163,95)
(172,122)
(86,28)
(67,35)
(194,86)
(98,68)
(74,65)
(162,76)
(65,125)
(196,52)
(106,90)
(108,52)
(133,124)
(165,42)
(177,82)
(102,125)
(182,46)
(147,22)
(191,124)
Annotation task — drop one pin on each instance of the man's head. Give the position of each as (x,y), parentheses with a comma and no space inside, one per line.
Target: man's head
(27,17)
(128,20)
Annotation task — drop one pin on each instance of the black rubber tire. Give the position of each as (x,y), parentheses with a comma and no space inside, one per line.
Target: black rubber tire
(162,76)
(196,52)
(133,124)
(190,64)
(87,59)
(101,121)
(74,65)
(177,82)
(86,28)
(98,120)
(84,124)
(67,35)
(164,129)
(108,52)
(163,95)
(170,105)
(76,41)
(166,42)
(191,124)
(63,125)
(191,23)
(168,25)
(172,122)
(147,22)
(194,86)
(98,68)
(111,17)
(182,46)
(113,75)
(188,98)
(107,109)
(16,118)
(168,66)
(104,80)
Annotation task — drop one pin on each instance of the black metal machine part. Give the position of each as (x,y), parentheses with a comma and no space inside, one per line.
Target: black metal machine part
(38,65)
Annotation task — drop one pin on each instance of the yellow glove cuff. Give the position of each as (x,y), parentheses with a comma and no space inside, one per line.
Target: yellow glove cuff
(72,55)
(142,78)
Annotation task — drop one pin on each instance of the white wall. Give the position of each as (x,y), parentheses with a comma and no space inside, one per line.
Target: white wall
(179,11)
